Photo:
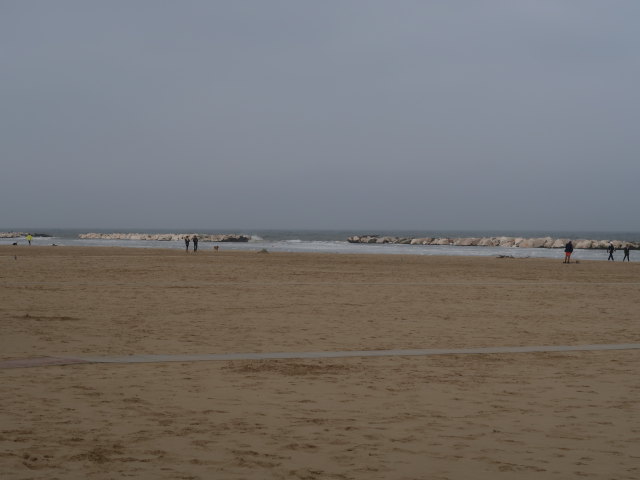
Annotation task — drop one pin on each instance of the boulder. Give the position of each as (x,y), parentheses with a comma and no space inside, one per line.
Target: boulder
(506,241)
(421,241)
(466,242)
(488,242)
(559,243)
(533,243)
(387,240)
(363,239)
(441,241)
(230,238)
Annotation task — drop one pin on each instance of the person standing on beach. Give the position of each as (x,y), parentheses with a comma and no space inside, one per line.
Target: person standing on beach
(568,250)
(186,242)
(611,249)
(626,253)
(29,238)
(195,243)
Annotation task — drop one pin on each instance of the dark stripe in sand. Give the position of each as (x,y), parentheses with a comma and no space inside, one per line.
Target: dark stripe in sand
(49,361)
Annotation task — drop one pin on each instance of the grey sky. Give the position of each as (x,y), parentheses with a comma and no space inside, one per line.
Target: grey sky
(320,114)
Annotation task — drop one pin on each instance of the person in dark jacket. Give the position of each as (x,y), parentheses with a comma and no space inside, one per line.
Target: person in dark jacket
(568,250)
(186,243)
(611,249)
(195,243)
(626,253)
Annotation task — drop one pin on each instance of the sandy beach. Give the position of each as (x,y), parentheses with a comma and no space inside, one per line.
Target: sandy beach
(522,415)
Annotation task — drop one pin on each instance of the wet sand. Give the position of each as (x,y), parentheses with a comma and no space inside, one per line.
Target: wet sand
(519,415)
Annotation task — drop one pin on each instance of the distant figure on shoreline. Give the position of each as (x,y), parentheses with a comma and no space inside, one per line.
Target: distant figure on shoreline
(626,253)
(195,243)
(611,249)
(568,250)
(186,243)
(29,238)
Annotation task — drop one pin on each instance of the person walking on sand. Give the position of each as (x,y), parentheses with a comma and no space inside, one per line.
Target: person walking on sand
(186,242)
(626,253)
(611,249)
(568,250)
(195,243)
(29,238)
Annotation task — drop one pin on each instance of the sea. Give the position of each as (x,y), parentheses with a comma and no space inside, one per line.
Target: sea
(335,241)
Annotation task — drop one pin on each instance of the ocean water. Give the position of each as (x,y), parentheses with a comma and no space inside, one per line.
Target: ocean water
(335,241)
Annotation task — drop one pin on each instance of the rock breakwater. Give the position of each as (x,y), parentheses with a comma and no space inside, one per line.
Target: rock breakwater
(517,242)
(166,237)
(21,234)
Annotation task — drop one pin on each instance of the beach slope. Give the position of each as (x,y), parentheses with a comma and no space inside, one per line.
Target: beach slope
(518,415)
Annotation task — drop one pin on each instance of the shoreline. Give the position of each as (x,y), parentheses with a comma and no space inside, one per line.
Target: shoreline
(382,250)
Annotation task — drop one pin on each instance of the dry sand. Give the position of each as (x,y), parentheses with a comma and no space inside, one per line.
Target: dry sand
(534,415)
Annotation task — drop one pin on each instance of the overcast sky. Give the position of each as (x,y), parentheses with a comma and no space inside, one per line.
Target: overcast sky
(320,114)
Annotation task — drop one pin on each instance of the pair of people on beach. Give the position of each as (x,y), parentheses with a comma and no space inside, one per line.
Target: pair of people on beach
(612,249)
(195,243)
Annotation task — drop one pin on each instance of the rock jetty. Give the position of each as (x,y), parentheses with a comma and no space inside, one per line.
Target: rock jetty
(518,242)
(166,237)
(21,234)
